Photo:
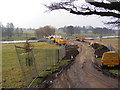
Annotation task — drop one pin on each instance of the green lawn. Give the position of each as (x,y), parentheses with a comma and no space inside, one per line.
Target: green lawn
(26,35)
(11,72)
(82,34)
(110,41)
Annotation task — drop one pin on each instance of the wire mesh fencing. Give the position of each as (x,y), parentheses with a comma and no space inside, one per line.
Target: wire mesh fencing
(37,61)
(27,64)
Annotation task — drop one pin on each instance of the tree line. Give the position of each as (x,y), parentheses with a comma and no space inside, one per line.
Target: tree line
(85,29)
(9,30)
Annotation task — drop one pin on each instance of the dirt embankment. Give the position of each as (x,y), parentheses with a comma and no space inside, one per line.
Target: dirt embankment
(99,49)
(71,51)
(82,74)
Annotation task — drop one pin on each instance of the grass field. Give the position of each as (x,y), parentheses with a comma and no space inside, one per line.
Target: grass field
(111,43)
(82,34)
(26,35)
(11,72)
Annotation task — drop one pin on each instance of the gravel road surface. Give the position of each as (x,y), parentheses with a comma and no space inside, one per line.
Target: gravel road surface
(82,74)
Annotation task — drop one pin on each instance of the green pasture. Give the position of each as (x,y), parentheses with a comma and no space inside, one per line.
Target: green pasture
(75,35)
(11,72)
(82,34)
(110,41)
(26,35)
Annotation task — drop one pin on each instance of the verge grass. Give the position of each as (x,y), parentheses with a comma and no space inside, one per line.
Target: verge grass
(50,70)
(110,41)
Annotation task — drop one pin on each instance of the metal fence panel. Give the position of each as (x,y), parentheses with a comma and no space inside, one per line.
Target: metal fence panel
(27,64)
(36,61)
(39,57)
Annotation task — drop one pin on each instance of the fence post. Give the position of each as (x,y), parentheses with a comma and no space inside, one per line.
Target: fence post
(45,60)
(58,54)
(54,57)
(34,62)
(64,51)
(21,66)
(51,57)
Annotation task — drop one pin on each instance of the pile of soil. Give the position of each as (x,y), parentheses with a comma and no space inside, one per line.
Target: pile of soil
(99,49)
(71,51)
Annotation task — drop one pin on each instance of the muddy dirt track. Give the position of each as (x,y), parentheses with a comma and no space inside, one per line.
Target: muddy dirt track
(82,74)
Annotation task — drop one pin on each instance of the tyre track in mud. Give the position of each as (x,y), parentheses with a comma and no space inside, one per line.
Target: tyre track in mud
(82,74)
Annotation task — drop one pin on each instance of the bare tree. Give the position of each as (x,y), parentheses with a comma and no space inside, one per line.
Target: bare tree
(97,7)
(9,29)
(116,23)
(18,31)
(70,30)
(45,31)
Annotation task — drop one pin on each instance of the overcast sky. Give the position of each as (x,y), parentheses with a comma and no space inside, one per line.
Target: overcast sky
(31,13)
